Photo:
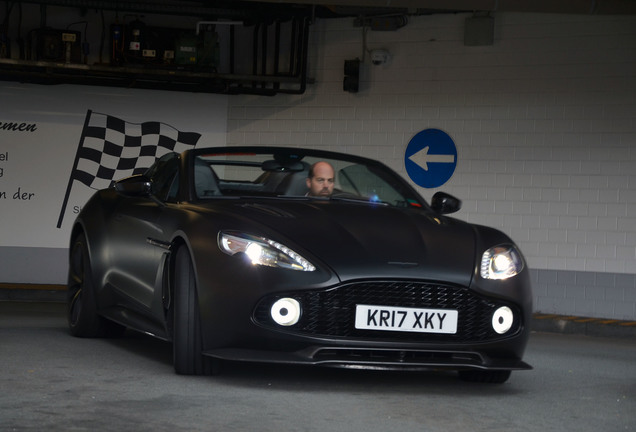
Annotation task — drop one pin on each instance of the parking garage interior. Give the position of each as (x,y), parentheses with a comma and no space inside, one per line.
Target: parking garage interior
(539,98)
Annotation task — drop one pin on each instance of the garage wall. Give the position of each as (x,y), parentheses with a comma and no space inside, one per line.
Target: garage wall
(544,121)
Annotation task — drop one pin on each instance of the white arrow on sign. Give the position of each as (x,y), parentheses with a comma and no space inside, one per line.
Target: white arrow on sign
(422,158)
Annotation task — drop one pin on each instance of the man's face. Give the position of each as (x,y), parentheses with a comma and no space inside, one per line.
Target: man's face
(322,182)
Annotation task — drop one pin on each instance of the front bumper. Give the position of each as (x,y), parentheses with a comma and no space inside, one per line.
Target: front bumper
(374,358)
(326,333)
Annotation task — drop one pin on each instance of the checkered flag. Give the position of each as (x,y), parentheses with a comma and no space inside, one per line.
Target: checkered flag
(111,149)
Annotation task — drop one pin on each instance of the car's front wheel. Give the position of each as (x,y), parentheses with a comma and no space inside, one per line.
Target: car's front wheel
(81,307)
(187,336)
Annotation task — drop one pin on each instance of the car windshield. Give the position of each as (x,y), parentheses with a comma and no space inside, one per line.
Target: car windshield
(287,173)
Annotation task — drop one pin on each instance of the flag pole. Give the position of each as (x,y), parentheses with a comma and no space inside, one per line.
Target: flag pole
(75,163)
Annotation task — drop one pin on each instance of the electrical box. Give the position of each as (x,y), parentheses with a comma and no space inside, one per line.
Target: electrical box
(351,82)
(58,45)
(186,50)
(136,44)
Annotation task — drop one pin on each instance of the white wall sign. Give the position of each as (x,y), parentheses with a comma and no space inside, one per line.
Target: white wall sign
(58,144)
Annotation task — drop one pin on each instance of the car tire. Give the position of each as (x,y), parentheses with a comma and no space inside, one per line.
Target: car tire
(81,306)
(492,377)
(187,337)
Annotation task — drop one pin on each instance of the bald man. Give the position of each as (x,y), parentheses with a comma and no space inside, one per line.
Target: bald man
(321,180)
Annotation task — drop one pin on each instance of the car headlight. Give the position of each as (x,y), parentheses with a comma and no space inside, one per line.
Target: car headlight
(501,262)
(263,251)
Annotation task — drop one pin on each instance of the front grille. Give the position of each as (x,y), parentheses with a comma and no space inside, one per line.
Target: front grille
(331,312)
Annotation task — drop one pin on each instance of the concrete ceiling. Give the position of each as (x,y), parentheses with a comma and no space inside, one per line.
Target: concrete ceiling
(367,7)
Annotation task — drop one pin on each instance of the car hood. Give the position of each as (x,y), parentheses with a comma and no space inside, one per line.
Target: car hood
(362,240)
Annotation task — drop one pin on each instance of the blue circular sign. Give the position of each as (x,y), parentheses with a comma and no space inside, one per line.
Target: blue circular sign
(430,158)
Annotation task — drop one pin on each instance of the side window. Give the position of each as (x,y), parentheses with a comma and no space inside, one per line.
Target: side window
(165,181)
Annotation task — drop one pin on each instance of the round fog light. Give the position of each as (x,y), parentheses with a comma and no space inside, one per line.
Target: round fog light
(502,319)
(286,311)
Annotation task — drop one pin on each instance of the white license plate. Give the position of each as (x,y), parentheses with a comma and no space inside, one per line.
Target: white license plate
(390,318)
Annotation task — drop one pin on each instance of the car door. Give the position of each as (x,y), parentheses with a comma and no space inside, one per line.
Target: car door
(136,236)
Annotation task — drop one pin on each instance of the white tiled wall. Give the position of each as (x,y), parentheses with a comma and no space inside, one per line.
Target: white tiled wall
(544,121)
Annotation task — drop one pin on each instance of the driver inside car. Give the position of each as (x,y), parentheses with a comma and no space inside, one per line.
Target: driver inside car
(321,180)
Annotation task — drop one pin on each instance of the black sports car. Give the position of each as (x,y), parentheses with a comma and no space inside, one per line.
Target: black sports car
(297,256)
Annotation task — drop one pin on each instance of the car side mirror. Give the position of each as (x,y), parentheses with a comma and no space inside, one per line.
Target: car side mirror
(137,185)
(444,203)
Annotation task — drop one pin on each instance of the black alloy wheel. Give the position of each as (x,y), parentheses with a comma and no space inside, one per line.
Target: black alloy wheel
(83,320)
(187,336)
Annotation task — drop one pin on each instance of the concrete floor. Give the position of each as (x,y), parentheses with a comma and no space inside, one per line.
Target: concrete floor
(51,381)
